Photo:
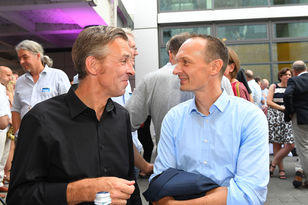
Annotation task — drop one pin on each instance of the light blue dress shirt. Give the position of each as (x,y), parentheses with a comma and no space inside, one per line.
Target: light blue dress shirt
(52,82)
(230,146)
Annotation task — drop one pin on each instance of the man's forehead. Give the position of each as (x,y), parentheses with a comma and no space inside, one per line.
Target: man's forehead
(121,46)
(22,52)
(190,47)
(4,69)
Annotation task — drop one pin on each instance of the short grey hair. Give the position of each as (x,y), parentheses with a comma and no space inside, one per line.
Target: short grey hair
(35,48)
(93,41)
(129,31)
(299,66)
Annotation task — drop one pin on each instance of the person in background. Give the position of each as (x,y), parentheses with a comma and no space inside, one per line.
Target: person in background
(296,109)
(5,121)
(264,90)
(193,136)
(39,83)
(258,80)
(81,143)
(10,90)
(280,132)
(231,71)
(255,88)
(160,90)
(241,77)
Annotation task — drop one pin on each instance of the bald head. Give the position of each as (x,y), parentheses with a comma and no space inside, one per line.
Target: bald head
(249,74)
(298,67)
(264,83)
(5,75)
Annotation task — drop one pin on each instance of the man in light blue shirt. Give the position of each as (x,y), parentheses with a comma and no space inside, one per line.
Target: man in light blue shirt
(222,137)
(39,83)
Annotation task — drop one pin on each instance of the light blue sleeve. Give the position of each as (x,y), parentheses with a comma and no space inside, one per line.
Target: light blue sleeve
(17,101)
(63,83)
(166,146)
(249,185)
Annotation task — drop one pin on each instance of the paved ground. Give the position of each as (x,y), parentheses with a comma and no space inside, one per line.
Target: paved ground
(279,191)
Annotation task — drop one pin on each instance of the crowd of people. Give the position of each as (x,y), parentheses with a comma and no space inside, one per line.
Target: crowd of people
(213,122)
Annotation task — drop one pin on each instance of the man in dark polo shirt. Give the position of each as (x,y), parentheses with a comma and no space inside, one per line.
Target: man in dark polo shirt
(75,145)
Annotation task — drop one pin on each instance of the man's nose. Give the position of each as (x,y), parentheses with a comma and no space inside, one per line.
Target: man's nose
(176,69)
(130,69)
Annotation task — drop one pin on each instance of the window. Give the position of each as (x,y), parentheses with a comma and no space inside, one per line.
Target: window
(168,32)
(252,53)
(242,32)
(291,30)
(289,52)
(184,5)
(279,2)
(258,51)
(239,3)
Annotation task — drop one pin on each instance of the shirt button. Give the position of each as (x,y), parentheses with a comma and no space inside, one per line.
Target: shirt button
(205,140)
(205,162)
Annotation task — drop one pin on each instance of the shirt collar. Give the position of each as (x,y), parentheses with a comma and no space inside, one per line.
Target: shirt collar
(76,106)
(302,73)
(44,71)
(220,104)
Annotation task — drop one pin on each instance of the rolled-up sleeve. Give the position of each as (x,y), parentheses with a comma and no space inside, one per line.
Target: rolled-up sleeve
(249,185)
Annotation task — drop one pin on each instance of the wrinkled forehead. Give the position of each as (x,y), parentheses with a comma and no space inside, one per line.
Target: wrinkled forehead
(119,47)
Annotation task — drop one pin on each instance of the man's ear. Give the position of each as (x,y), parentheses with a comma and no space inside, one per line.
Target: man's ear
(91,65)
(216,66)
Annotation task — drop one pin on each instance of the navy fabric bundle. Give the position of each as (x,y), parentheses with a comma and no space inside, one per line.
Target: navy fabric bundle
(179,184)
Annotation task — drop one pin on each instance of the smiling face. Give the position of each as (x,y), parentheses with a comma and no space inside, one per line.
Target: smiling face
(115,69)
(191,67)
(285,77)
(28,60)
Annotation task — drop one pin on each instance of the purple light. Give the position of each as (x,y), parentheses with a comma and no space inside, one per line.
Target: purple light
(84,16)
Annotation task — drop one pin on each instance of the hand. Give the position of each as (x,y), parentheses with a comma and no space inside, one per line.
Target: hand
(85,190)
(164,201)
(120,189)
(282,107)
(148,169)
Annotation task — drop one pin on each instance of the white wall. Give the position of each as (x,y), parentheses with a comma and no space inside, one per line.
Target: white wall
(146,35)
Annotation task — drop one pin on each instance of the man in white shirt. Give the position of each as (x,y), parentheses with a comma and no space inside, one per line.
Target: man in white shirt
(39,83)
(5,121)
(255,88)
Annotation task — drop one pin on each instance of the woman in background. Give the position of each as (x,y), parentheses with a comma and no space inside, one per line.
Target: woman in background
(231,71)
(280,132)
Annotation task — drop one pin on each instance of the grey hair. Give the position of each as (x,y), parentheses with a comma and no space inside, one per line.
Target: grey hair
(35,48)
(128,31)
(93,41)
(299,66)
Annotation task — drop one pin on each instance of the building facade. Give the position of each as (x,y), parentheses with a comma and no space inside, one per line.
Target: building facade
(267,34)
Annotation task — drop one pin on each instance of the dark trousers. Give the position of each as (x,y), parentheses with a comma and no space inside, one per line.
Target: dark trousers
(145,138)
